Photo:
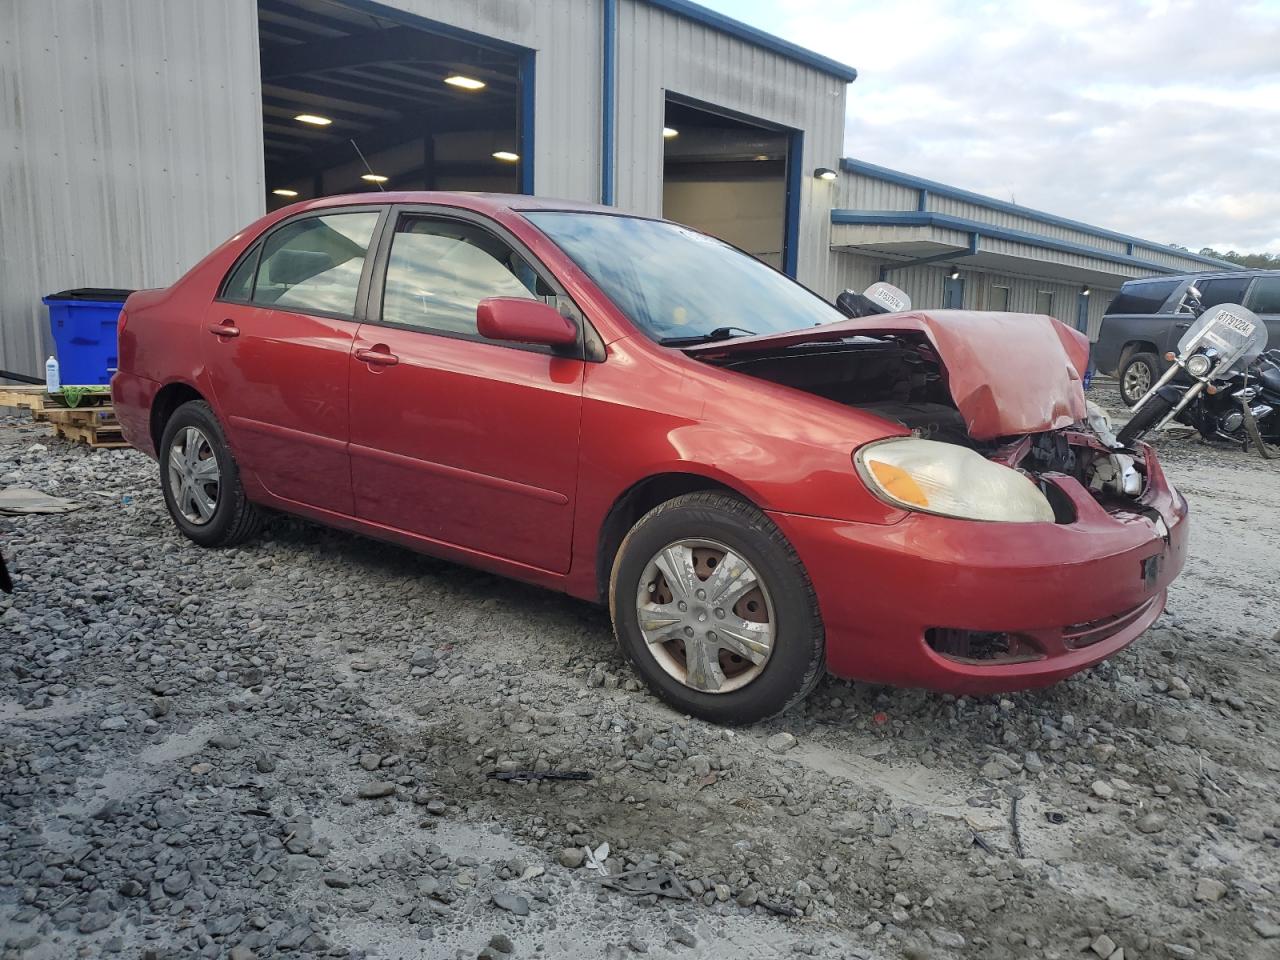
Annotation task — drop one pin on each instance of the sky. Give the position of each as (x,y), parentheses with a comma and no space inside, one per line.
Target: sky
(1159,119)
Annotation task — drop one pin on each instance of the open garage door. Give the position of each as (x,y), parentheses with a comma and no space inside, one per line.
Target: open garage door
(354,100)
(729,176)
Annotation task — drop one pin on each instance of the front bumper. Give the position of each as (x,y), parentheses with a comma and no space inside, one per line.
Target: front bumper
(1074,594)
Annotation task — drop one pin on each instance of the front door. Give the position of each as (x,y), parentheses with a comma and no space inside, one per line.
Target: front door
(277,344)
(953,293)
(456,438)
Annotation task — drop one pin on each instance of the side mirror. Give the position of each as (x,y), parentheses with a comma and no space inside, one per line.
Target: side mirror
(518,320)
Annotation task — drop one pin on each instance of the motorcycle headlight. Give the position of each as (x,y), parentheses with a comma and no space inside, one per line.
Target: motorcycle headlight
(952,481)
(1199,365)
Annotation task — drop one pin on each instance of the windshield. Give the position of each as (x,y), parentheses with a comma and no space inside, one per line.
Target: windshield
(678,285)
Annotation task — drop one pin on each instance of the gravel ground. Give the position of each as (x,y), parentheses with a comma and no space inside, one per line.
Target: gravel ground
(285,749)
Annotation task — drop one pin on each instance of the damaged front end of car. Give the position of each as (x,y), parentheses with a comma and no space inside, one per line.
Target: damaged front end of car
(997,428)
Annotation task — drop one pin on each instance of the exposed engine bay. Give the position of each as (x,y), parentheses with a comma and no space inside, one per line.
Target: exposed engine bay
(902,379)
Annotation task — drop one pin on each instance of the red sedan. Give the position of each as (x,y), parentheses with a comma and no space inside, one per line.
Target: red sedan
(627,410)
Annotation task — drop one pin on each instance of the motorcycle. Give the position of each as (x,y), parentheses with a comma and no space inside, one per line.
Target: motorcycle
(1234,391)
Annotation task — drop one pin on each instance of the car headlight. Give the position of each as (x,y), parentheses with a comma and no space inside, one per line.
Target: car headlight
(953,481)
(1199,365)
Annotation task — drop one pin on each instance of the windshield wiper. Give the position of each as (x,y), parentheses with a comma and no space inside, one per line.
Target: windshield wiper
(719,333)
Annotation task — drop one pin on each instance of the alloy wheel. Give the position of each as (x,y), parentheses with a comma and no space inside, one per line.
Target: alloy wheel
(705,615)
(1137,381)
(194,477)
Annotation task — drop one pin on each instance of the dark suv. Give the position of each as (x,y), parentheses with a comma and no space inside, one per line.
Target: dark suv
(1147,318)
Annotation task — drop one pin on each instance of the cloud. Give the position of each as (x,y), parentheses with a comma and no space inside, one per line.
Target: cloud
(1160,118)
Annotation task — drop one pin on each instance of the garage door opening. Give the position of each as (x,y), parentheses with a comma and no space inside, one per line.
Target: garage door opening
(729,176)
(429,109)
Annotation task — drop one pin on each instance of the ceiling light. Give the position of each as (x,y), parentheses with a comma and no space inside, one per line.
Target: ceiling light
(826,173)
(762,156)
(465,83)
(669,132)
(285,193)
(506,156)
(373,177)
(313,119)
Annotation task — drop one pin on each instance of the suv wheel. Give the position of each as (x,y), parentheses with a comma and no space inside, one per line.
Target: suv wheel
(1137,376)
(201,481)
(714,609)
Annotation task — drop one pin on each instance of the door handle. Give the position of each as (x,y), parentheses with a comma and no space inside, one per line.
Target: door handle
(383,357)
(1182,326)
(226,328)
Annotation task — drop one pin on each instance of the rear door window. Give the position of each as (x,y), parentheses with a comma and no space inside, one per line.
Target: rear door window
(1224,290)
(1265,295)
(1143,297)
(313,265)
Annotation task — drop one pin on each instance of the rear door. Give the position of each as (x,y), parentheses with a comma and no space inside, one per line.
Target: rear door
(463,440)
(277,344)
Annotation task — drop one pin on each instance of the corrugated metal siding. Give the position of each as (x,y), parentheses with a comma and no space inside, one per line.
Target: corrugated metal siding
(567,36)
(859,192)
(130,145)
(924,286)
(660,52)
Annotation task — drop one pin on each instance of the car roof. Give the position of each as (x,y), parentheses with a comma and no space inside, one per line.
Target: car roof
(490,203)
(1247,273)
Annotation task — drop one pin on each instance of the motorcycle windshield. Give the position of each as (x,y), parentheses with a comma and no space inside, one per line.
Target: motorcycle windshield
(1236,333)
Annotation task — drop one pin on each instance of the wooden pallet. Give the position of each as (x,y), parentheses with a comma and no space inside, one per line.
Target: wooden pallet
(93,422)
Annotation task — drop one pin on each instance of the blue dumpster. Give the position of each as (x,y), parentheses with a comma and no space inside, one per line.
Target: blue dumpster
(83,323)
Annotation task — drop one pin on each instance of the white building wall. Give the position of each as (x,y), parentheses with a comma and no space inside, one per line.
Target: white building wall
(660,52)
(924,285)
(130,145)
(567,37)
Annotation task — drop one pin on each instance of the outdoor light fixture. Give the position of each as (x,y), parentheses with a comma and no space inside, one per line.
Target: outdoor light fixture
(669,132)
(311,118)
(955,273)
(826,173)
(506,156)
(373,177)
(285,193)
(1085,292)
(464,83)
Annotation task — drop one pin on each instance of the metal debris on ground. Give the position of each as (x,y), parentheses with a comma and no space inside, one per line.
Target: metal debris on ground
(597,857)
(642,883)
(23,501)
(1053,816)
(542,775)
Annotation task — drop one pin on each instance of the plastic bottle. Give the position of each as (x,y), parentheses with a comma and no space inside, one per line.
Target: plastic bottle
(52,379)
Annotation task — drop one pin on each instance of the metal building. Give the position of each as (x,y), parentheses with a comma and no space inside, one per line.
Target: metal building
(135,135)
(948,247)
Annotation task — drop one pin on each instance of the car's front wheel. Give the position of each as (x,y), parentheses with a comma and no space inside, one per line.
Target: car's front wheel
(1137,376)
(713,607)
(201,481)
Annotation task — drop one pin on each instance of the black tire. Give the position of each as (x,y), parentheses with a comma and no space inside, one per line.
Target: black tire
(1132,369)
(1144,420)
(234,518)
(796,662)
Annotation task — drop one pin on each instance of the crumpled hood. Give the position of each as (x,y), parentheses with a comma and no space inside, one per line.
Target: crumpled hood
(1008,373)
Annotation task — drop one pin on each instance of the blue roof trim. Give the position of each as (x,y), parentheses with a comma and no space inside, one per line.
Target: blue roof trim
(913,218)
(736,28)
(942,189)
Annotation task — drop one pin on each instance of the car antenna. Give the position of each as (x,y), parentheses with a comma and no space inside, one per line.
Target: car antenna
(366,164)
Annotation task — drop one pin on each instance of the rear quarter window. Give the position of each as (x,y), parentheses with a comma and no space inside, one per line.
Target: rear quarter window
(1143,297)
(1265,295)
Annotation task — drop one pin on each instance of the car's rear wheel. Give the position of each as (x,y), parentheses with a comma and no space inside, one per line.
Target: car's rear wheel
(1137,375)
(713,607)
(201,481)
